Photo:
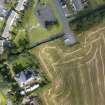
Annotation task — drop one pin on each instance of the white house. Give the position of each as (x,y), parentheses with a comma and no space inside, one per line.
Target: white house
(20,5)
(24,77)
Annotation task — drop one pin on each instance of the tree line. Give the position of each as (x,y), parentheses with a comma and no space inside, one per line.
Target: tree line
(86,19)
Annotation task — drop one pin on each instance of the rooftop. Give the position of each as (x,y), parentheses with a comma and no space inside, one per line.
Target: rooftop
(20,5)
(11,20)
(44,14)
(24,77)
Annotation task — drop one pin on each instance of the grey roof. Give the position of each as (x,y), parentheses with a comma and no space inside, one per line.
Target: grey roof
(44,13)
(69,40)
(77,4)
(21,77)
(12,18)
(24,77)
(3,12)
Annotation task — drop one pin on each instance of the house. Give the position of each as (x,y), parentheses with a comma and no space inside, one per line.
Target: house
(26,80)
(26,77)
(45,15)
(3,12)
(9,25)
(29,89)
(21,5)
(11,21)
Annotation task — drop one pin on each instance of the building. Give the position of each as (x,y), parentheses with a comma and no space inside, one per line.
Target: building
(29,89)
(78,5)
(69,40)
(45,15)
(25,77)
(3,12)
(11,21)
(26,80)
(21,5)
(9,25)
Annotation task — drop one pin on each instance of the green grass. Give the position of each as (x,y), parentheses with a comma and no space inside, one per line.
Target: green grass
(2,99)
(21,34)
(1,24)
(23,60)
(9,5)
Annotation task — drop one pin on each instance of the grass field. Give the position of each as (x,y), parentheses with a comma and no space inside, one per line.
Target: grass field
(77,73)
(2,99)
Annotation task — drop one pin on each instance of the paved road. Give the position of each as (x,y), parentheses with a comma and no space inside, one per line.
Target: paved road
(64,20)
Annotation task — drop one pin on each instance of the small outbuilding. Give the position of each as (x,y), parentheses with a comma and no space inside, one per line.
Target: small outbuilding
(69,39)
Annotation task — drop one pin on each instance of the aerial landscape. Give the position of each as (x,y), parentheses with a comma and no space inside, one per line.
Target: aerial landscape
(52,52)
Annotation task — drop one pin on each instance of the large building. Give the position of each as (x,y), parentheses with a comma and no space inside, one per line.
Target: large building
(25,77)
(45,15)
(26,80)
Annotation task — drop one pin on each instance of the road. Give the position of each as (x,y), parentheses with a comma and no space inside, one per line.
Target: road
(64,20)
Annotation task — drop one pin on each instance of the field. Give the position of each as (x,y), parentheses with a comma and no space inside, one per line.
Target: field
(77,73)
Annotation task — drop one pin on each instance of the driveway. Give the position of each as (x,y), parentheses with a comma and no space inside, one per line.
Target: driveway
(65,21)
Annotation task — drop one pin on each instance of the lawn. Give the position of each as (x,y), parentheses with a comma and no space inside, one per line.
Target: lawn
(35,30)
(1,24)
(78,72)
(2,99)
(21,34)
(10,4)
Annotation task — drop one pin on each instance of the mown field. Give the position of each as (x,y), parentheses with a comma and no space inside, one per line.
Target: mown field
(78,72)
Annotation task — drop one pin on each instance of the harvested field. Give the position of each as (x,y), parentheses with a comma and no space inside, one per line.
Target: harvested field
(77,73)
